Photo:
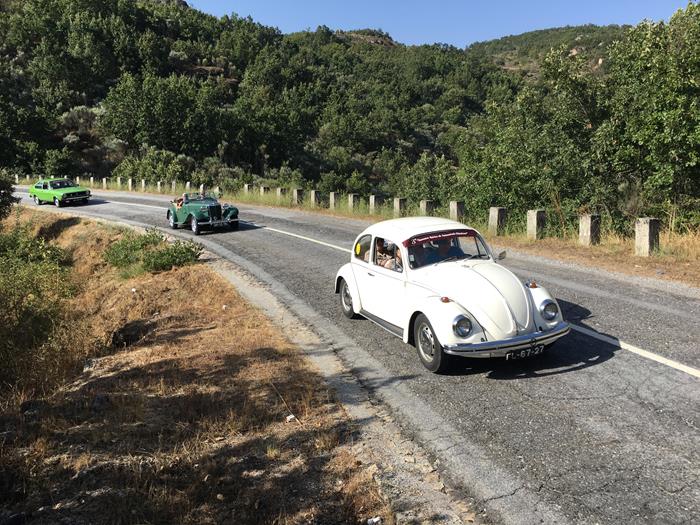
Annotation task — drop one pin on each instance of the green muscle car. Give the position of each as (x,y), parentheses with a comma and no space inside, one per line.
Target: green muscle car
(58,191)
(201,211)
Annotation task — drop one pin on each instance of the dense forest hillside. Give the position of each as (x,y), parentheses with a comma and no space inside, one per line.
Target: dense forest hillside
(526,52)
(160,91)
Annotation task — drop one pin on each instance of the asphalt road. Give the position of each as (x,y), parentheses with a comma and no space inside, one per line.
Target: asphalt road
(587,433)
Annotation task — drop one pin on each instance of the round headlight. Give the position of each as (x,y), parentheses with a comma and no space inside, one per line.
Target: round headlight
(462,326)
(549,310)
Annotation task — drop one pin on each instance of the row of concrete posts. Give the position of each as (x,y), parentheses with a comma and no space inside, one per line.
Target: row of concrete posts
(646,228)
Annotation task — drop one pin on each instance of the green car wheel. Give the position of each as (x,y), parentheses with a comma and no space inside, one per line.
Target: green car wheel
(57,202)
(37,201)
(194,225)
(171,220)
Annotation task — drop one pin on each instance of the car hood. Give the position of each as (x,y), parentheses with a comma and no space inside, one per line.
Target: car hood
(488,291)
(72,189)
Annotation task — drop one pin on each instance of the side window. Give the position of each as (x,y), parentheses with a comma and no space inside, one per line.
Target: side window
(45,186)
(362,248)
(388,255)
(37,186)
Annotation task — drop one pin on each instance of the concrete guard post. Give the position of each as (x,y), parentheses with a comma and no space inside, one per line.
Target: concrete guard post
(332,198)
(399,206)
(497,220)
(427,207)
(457,210)
(201,189)
(589,230)
(16,179)
(374,202)
(27,178)
(535,224)
(188,185)
(264,190)
(130,184)
(246,189)
(353,201)
(159,185)
(77,181)
(281,193)
(315,198)
(92,182)
(173,186)
(143,184)
(297,196)
(104,183)
(646,236)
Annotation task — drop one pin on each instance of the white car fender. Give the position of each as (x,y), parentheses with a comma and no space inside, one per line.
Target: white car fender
(347,274)
(440,315)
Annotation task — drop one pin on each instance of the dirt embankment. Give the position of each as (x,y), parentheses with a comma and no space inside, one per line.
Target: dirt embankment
(192,409)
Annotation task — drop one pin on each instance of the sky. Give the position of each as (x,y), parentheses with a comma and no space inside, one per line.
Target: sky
(442,21)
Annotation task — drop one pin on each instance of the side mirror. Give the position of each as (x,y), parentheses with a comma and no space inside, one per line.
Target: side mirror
(501,255)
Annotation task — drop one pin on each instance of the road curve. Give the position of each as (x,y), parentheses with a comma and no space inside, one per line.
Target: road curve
(587,433)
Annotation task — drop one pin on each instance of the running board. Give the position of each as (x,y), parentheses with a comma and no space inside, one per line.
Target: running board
(391,328)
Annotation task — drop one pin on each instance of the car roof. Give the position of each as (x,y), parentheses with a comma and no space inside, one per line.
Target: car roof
(399,230)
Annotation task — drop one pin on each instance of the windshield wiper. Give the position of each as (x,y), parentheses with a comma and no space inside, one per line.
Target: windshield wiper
(451,258)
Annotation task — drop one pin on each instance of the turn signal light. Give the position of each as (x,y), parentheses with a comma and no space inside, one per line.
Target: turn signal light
(531,284)
(445,299)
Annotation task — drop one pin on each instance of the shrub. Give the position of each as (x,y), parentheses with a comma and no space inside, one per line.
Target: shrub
(180,253)
(134,253)
(129,249)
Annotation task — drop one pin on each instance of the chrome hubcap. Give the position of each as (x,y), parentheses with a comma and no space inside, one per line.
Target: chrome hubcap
(346,297)
(426,342)
(194,225)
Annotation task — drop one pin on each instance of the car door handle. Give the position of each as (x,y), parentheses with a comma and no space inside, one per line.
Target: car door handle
(370,274)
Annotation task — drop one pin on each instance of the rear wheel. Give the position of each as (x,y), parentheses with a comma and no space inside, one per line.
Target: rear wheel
(57,202)
(429,348)
(346,300)
(37,201)
(194,225)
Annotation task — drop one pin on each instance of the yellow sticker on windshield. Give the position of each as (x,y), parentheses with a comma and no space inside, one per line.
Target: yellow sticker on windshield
(357,249)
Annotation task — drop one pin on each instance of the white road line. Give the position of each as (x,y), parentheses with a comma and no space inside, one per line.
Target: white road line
(636,350)
(586,331)
(328,245)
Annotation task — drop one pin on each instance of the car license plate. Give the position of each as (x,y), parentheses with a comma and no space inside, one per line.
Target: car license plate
(525,352)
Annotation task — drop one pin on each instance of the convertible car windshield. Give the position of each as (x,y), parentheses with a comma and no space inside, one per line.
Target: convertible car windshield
(436,247)
(65,183)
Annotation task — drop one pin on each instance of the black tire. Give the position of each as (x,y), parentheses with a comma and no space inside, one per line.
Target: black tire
(346,300)
(85,201)
(171,220)
(233,225)
(194,226)
(57,202)
(428,347)
(37,201)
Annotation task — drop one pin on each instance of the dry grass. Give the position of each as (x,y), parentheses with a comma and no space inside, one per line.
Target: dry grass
(184,418)
(678,258)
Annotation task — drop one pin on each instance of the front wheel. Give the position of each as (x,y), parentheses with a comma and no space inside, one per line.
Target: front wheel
(57,202)
(346,300)
(37,201)
(171,220)
(429,348)
(194,225)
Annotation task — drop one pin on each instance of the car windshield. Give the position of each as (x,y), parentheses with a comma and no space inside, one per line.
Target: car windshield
(437,247)
(202,197)
(64,183)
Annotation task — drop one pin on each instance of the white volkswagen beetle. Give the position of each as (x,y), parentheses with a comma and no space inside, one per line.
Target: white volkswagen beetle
(436,284)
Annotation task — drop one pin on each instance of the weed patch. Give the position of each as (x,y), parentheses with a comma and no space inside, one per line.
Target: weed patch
(135,253)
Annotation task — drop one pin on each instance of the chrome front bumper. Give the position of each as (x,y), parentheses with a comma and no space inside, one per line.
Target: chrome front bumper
(222,222)
(502,347)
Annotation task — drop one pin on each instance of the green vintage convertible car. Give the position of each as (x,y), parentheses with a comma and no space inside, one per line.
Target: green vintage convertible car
(199,211)
(58,191)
